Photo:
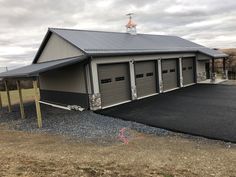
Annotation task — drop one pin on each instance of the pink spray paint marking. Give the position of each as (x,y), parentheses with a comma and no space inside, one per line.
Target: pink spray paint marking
(122,137)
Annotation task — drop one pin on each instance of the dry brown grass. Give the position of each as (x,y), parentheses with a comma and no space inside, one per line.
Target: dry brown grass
(232,55)
(28,154)
(28,95)
(229,50)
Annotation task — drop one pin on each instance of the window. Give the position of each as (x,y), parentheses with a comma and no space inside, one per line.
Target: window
(164,71)
(190,67)
(184,69)
(139,75)
(172,70)
(104,81)
(120,78)
(149,74)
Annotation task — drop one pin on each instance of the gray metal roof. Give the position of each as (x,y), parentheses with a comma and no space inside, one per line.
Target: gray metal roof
(34,70)
(101,43)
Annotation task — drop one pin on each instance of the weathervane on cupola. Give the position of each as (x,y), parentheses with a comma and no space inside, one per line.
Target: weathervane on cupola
(131,26)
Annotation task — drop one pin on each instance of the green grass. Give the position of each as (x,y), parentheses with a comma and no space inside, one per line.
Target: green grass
(27,94)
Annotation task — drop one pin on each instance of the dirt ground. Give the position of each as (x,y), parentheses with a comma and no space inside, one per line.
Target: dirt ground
(38,154)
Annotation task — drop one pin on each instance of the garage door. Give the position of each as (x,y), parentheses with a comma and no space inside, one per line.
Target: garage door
(188,71)
(114,83)
(169,74)
(145,74)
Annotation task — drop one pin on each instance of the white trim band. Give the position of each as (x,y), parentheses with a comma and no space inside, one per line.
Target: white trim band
(116,104)
(147,96)
(171,89)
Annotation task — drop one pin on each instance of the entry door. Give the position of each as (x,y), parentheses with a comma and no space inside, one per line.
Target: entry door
(169,74)
(188,70)
(145,74)
(114,83)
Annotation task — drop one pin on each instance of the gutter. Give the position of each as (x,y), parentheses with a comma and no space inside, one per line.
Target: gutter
(105,54)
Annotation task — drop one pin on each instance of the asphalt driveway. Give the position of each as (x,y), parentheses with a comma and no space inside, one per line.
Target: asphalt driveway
(205,110)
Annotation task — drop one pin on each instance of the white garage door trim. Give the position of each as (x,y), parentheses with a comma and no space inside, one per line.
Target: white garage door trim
(171,89)
(139,98)
(116,104)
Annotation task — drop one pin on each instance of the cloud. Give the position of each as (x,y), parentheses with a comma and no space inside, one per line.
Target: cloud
(24,23)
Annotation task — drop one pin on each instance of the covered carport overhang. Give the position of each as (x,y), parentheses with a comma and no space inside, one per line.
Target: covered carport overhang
(32,72)
(215,55)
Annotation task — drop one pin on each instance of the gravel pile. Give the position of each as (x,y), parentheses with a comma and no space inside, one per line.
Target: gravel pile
(85,125)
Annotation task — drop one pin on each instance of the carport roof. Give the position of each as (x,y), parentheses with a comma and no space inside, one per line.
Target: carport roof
(97,43)
(34,70)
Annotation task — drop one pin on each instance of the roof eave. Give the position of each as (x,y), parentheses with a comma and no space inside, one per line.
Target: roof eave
(38,72)
(44,42)
(223,55)
(42,45)
(107,54)
(52,31)
(97,54)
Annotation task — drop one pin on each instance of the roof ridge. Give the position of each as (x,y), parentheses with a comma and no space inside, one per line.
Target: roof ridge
(101,31)
(73,29)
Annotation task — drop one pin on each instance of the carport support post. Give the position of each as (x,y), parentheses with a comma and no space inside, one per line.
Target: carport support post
(22,111)
(37,104)
(8,96)
(225,72)
(180,73)
(213,74)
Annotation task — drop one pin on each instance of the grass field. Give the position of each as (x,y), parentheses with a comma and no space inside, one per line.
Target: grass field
(28,95)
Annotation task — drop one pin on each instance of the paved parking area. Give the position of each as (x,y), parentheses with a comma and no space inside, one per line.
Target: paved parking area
(204,110)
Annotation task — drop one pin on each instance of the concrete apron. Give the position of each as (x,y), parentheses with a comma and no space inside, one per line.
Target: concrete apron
(210,81)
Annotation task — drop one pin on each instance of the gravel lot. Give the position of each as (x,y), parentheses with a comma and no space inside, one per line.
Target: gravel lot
(84,125)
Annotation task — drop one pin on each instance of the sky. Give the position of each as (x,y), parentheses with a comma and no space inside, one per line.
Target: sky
(23,23)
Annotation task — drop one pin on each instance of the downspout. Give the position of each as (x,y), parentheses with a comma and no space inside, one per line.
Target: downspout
(213,74)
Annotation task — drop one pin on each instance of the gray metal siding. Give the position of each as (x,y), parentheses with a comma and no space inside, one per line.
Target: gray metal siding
(169,74)
(145,74)
(201,70)
(114,83)
(188,70)
(68,79)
